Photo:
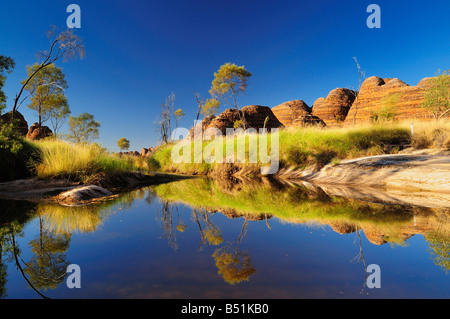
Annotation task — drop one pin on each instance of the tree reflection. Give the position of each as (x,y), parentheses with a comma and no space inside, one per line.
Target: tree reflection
(47,268)
(233,265)
(360,257)
(14,214)
(165,217)
(439,249)
(209,232)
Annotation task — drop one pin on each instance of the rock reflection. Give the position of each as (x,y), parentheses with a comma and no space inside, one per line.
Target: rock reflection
(192,205)
(365,211)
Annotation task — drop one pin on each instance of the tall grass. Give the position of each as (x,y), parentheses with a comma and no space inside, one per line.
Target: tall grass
(302,147)
(319,146)
(81,162)
(433,134)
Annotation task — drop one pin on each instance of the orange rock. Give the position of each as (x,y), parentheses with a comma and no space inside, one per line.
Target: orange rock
(377,93)
(287,112)
(334,109)
(255,117)
(38,132)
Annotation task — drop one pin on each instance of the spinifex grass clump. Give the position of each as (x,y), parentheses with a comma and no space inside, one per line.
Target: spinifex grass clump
(79,162)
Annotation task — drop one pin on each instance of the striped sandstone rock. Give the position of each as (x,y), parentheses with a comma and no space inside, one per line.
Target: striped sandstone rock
(334,108)
(287,112)
(255,117)
(376,93)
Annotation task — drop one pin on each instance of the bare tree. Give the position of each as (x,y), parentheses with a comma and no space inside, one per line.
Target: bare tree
(64,46)
(361,77)
(164,125)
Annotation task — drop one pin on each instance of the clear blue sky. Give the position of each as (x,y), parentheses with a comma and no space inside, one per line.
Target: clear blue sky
(138,52)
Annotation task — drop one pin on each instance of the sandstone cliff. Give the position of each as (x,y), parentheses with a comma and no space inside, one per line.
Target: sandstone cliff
(389,98)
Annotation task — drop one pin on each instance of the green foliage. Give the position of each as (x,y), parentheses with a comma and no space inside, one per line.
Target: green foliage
(64,46)
(123,144)
(83,128)
(437,97)
(439,249)
(48,265)
(46,91)
(10,139)
(16,154)
(210,107)
(229,82)
(6,66)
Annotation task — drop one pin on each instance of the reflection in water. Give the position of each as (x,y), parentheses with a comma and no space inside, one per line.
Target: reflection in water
(234,265)
(303,204)
(198,200)
(47,267)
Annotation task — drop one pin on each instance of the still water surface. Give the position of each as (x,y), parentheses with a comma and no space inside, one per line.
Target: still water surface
(204,239)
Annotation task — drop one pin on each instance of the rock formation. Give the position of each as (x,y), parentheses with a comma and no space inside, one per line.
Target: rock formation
(308,120)
(334,108)
(200,126)
(389,96)
(38,132)
(296,114)
(287,112)
(82,194)
(145,152)
(23,125)
(255,117)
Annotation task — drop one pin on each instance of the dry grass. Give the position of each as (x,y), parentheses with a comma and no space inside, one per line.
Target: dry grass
(81,162)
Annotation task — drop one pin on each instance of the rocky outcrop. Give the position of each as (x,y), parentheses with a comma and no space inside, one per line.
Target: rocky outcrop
(341,227)
(296,113)
(145,152)
(334,108)
(200,128)
(308,120)
(38,132)
(398,171)
(289,111)
(22,127)
(389,97)
(80,195)
(256,116)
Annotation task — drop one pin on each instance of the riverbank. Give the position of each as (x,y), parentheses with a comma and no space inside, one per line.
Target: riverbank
(425,170)
(65,191)
(377,155)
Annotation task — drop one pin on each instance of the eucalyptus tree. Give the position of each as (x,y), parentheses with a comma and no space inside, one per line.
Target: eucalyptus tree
(230,81)
(64,46)
(46,92)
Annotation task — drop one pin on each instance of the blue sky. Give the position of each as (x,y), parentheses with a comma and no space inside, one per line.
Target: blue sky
(138,52)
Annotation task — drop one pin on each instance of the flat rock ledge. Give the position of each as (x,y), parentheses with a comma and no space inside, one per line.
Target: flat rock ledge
(406,171)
